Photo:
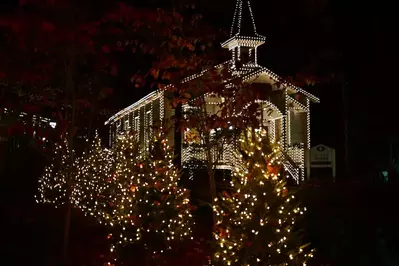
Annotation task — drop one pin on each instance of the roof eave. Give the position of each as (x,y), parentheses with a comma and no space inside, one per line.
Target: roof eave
(234,41)
(122,112)
(287,85)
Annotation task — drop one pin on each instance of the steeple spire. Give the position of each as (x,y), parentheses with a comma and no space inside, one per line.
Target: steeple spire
(243,20)
(244,40)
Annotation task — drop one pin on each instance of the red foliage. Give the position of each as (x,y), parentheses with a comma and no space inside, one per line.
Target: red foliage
(108,91)
(83,103)
(48,27)
(106,49)
(29,131)
(16,129)
(29,108)
(114,70)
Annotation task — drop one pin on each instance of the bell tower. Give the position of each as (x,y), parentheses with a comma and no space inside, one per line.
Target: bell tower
(244,40)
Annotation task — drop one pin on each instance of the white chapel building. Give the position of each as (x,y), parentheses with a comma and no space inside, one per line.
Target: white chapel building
(288,123)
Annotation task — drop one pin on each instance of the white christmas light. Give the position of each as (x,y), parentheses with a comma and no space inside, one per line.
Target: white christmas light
(247,71)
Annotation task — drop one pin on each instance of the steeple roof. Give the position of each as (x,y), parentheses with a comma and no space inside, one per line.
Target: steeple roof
(243,20)
(243,29)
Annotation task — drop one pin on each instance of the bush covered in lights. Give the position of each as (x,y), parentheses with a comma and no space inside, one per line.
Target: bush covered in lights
(256,217)
(148,205)
(135,194)
(53,185)
(92,188)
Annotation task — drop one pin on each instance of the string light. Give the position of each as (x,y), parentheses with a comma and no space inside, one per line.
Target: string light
(236,40)
(136,195)
(53,184)
(297,104)
(142,102)
(256,217)
(92,187)
(148,200)
(288,126)
(308,123)
(248,72)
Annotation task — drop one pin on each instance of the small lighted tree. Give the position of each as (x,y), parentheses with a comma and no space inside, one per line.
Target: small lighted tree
(256,218)
(123,169)
(92,185)
(52,185)
(144,203)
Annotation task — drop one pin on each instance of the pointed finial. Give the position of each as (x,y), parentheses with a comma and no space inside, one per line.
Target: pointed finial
(243,12)
(244,40)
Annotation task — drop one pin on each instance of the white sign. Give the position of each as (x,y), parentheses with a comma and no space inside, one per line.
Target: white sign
(321,154)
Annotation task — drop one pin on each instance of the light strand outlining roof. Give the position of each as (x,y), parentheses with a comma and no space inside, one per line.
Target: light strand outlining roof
(292,100)
(250,73)
(277,78)
(149,96)
(155,94)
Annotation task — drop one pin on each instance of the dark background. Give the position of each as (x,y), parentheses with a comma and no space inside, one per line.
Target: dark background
(351,223)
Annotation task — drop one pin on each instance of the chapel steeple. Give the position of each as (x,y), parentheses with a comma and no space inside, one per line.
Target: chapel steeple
(244,40)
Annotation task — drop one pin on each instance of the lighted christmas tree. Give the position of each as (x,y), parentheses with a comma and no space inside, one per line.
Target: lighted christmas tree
(147,207)
(52,185)
(122,170)
(92,184)
(256,218)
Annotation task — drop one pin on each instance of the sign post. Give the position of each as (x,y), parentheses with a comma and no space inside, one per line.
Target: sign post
(322,156)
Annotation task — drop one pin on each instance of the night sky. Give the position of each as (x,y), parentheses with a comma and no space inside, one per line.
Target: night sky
(352,37)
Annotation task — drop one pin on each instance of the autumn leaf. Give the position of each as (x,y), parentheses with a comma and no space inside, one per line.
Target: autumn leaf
(114,70)
(31,108)
(166,75)
(310,81)
(108,91)
(83,102)
(175,102)
(74,130)
(47,26)
(105,49)
(15,27)
(155,73)
(16,129)
(177,16)
(190,46)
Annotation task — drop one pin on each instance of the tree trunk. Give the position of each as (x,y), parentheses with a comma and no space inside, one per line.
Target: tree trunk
(70,88)
(177,136)
(66,233)
(89,131)
(346,134)
(209,158)
(211,174)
